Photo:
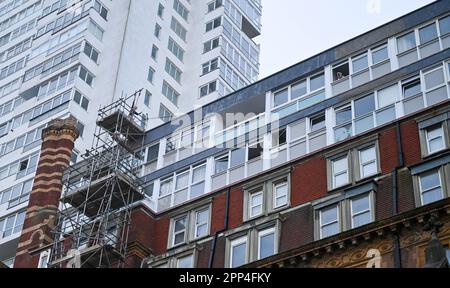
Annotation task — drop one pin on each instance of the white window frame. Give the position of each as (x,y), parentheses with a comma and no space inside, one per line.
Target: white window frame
(352,215)
(237,242)
(185,230)
(346,171)
(361,164)
(251,205)
(441,185)
(427,139)
(275,196)
(338,220)
(265,232)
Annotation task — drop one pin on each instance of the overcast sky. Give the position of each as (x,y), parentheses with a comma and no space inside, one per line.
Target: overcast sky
(294,30)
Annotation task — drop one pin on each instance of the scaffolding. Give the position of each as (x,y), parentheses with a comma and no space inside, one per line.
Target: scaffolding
(98,192)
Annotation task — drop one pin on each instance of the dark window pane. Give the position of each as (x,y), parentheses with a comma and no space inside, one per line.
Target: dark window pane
(412,88)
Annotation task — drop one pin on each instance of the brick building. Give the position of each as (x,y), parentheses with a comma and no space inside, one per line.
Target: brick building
(341,160)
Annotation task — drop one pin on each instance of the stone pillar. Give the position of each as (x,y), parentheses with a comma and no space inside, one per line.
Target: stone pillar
(58,141)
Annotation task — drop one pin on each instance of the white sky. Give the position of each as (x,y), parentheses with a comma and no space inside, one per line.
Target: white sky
(294,30)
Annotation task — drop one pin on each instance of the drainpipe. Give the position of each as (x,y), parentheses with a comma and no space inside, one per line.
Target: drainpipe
(225,225)
(401,163)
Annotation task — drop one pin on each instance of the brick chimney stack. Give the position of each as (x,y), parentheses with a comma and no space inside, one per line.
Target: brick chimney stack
(58,141)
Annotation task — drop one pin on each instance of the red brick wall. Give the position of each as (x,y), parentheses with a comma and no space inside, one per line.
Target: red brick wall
(236,208)
(309,181)
(388,150)
(411,143)
(218,212)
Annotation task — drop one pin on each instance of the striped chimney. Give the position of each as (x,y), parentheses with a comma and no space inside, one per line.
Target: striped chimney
(58,140)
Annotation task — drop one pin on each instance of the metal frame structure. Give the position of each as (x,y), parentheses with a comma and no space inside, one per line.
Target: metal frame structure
(95,211)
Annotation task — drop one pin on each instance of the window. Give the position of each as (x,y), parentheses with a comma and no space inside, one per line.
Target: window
(84,75)
(341,71)
(157,32)
(406,42)
(213,24)
(95,29)
(201,223)
(380,54)
(181,10)
(176,49)
(151,74)
(191,226)
(360,63)
(256,204)
(357,164)
(368,162)
(101,9)
(329,221)
(255,151)
(221,164)
(279,138)
(444,25)
(267,197)
(160,10)
(361,213)
(317,82)
(435,139)
(298,90)
(238,252)
(178,29)
(214,5)
(317,123)
(165,114)
(428,33)
(430,187)
(170,93)
(211,44)
(237,157)
(387,96)
(81,100)
(11,224)
(280,98)
(364,105)
(411,88)
(147,98)
(91,52)
(208,88)
(186,262)
(280,195)
(154,53)
(340,172)
(210,66)
(266,243)
(173,70)
(179,231)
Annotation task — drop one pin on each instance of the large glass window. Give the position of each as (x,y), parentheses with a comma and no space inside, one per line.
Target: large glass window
(280,98)
(221,164)
(364,105)
(237,157)
(430,187)
(360,63)
(428,33)
(380,54)
(444,25)
(411,88)
(406,42)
